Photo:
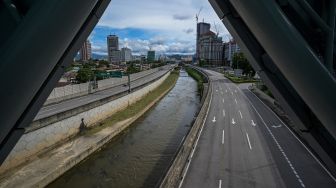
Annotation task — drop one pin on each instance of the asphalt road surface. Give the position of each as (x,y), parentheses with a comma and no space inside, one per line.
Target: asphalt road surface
(53,109)
(244,144)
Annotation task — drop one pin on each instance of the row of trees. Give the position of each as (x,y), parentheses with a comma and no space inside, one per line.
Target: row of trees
(239,61)
(88,70)
(85,75)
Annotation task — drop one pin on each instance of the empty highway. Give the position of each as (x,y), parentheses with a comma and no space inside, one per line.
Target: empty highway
(244,144)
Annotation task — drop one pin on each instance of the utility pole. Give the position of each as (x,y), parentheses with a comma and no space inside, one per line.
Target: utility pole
(89,87)
(93,85)
(129,82)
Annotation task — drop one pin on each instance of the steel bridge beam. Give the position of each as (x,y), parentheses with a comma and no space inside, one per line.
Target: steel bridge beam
(38,40)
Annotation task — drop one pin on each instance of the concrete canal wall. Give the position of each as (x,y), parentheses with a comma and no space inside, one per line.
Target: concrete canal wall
(41,138)
(180,165)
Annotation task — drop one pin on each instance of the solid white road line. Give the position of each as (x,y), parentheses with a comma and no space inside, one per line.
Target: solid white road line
(199,135)
(220,184)
(223,113)
(223,137)
(318,161)
(279,147)
(248,140)
(241,116)
(236,101)
(50,109)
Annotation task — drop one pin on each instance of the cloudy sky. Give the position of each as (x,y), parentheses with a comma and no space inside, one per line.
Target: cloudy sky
(165,26)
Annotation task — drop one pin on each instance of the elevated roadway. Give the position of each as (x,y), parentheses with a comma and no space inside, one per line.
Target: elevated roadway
(73,103)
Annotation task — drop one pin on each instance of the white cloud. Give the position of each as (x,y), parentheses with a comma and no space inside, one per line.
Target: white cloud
(182,16)
(173,20)
(188,31)
(139,46)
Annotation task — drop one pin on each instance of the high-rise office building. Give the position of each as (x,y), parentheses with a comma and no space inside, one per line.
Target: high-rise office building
(142,58)
(150,56)
(115,57)
(112,46)
(231,48)
(85,51)
(202,28)
(211,49)
(126,54)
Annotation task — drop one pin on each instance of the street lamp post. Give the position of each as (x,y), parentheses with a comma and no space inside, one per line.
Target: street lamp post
(129,82)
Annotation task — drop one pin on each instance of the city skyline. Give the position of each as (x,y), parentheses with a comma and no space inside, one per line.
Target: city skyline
(165,28)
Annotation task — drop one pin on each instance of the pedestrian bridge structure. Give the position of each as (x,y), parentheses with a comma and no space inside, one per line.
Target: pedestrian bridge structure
(290,43)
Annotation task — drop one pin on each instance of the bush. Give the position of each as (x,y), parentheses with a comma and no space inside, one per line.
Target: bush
(132,69)
(243,79)
(84,75)
(198,77)
(240,61)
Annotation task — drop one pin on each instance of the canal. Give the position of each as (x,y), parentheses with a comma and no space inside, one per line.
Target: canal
(141,155)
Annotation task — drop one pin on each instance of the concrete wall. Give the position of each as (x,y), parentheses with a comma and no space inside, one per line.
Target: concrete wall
(34,142)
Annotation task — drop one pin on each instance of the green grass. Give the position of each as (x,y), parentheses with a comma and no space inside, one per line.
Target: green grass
(198,77)
(264,89)
(137,107)
(240,80)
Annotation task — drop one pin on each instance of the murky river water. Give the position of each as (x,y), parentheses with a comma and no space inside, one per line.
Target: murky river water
(140,156)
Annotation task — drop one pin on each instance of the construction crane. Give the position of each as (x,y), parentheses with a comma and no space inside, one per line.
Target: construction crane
(197,15)
(216,28)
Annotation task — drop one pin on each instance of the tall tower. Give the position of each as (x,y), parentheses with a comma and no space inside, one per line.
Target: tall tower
(151,56)
(112,46)
(201,29)
(85,51)
(126,54)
